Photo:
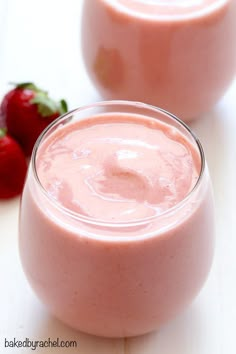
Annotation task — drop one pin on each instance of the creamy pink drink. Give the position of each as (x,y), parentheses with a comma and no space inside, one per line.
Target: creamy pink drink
(175,54)
(116,223)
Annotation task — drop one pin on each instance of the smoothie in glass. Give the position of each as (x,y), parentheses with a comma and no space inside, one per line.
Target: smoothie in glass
(175,54)
(116,223)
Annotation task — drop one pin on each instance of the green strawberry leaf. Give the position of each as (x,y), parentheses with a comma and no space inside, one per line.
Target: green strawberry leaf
(63,107)
(3,132)
(28,86)
(46,106)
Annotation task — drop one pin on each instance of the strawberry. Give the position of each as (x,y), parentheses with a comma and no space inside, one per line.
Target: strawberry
(13,166)
(26,111)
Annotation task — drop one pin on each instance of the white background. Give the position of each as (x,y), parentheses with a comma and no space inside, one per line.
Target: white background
(39,41)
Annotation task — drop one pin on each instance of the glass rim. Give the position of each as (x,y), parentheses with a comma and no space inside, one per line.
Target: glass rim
(195,14)
(101,222)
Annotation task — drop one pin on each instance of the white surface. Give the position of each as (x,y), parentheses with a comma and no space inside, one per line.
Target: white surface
(39,41)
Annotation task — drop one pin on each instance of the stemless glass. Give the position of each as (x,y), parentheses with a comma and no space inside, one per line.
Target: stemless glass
(123,278)
(179,55)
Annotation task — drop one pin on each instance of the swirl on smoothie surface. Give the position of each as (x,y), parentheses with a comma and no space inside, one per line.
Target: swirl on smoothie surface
(118,168)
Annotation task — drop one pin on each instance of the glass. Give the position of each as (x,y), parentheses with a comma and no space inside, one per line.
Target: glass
(178,55)
(116,279)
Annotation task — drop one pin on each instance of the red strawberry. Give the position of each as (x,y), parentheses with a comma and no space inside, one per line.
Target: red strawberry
(26,111)
(13,166)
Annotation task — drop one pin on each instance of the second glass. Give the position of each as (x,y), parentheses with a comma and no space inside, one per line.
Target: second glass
(179,55)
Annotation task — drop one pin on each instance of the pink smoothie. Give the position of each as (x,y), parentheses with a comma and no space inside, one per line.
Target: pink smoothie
(176,54)
(118,168)
(118,242)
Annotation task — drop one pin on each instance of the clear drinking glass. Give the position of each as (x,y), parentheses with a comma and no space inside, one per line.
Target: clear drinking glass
(179,55)
(122,278)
